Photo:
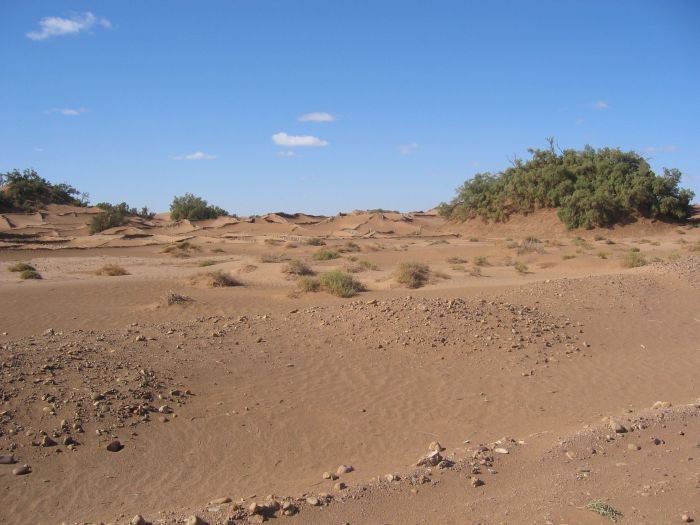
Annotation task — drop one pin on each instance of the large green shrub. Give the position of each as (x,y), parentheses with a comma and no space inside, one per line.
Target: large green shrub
(192,207)
(589,188)
(27,191)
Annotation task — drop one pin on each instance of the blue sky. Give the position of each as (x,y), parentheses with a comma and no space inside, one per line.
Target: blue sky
(140,101)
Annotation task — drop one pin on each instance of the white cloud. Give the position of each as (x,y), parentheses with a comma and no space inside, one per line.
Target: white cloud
(601,104)
(407,149)
(57,26)
(661,149)
(197,155)
(287,153)
(69,112)
(317,117)
(292,141)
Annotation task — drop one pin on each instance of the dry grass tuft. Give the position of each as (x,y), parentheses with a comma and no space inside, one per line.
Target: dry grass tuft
(325,255)
(412,274)
(297,268)
(20,267)
(113,270)
(217,279)
(633,259)
(29,274)
(172,298)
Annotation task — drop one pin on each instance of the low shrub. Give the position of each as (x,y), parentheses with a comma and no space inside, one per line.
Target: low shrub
(192,208)
(480,261)
(308,284)
(633,259)
(297,268)
(273,258)
(29,274)
(456,260)
(112,270)
(206,262)
(412,274)
(315,241)
(220,279)
(340,283)
(325,255)
(520,267)
(20,267)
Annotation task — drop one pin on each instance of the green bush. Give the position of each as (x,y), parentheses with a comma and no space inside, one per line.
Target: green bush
(295,267)
(114,215)
(588,188)
(520,267)
(27,191)
(633,259)
(193,208)
(412,274)
(309,284)
(340,284)
(29,274)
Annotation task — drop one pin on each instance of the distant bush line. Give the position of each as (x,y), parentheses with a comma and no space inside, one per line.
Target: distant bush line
(28,192)
(589,188)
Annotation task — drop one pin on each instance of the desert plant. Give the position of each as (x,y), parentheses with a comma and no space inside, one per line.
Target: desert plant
(297,268)
(633,259)
(27,191)
(112,270)
(325,255)
(605,510)
(480,261)
(220,279)
(475,271)
(29,274)
(315,241)
(172,298)
(113,215)
(340,283)
(568,256)
(349,246)
(455,260)
(273,258)
(309,284)
(206,262)
(20,267)
(520,267)
(588,188)
(191,207)
(412,274)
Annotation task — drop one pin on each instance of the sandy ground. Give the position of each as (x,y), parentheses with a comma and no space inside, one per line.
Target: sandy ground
(251,393)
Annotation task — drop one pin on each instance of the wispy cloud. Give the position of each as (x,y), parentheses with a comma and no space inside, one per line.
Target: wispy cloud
(68,112)
(51,26)
(292,141)
(407,149)
(317,117)
(601,104)
(197,155)
(288,153)
(661,149)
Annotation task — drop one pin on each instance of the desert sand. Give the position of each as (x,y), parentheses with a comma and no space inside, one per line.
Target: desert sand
(533,375)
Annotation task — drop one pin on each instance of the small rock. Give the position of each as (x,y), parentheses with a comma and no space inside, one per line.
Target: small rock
(140,338)
(46,441)
(344,469)
(340,486)
(115,446)
(194,520)
(256,518)
(329,475)
(476,482)
(21,471)
(313,501)
(661,404)
(7,460)
(501,451)
(435,445)
(138,520)
(685,518)
(220,501)
(633,446)
(618,427)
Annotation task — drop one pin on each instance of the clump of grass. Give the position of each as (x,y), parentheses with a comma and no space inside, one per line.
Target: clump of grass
(604,509)
(602,255)
(361,266)
(291,245)
(438,241)
(273,242)
(529,245)
(458,268)
(456,260)
(220,279)
(29,274)
(568,256)
(473,239)
(113,270)
(644,241)
(634,249)
(598,238)
(340,283)
(297,268)
(609,241)
(336,283)
(480,261)
(412,274)
(475,271)
(582,243)
(674,256)
(20,267)
(633,259)
(218,250)
(172,298)
(520,268)
(349,247)
(315,241)
(180,249)
(273,258)
(325,255)
(206,262)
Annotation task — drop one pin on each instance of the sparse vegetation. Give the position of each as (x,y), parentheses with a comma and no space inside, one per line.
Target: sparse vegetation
(588,188)
(297,268)
(315,241)
(480,261)
(112,270)
(336,283)
(325,255)
(193,208)
(29,274)
(456,260)
(219,279)
(273,258)
(568,256)
(172,298)
(361,266)
(412,274)
(206,262)
(476,271)
(605,510)
(349,246)
(602,255)
(20,267)
(520,267)
(633,259)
